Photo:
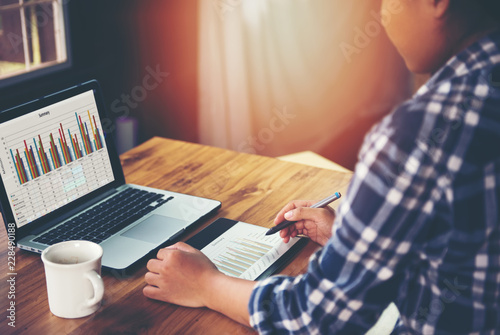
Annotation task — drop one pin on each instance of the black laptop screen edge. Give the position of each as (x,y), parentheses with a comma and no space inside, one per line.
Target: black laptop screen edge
(107,123)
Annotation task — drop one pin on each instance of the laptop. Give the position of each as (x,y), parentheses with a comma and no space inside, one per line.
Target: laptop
(61,179)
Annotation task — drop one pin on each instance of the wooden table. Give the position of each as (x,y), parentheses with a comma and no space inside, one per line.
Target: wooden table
(251,188)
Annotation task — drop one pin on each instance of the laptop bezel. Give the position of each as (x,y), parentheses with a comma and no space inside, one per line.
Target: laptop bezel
(53,218)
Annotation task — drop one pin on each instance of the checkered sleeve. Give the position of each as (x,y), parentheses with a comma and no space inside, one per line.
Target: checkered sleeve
(359,272)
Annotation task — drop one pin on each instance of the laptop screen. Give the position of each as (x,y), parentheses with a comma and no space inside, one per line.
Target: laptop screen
(53,156)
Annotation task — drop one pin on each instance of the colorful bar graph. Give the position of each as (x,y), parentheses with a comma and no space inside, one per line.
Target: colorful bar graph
(44,155)
(37,161)
(97,134)
(74,146)
(18,170)
(28,154)
(20,167)
(241,256)
(55,153)
(40,158)
(82,133)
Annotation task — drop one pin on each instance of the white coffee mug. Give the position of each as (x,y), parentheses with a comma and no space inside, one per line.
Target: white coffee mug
(73,273)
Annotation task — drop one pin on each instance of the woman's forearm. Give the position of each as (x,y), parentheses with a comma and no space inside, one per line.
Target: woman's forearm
(230,296)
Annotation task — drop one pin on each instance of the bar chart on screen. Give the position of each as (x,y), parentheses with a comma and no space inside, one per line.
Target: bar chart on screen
(37,159)
(244,251)
(53,156)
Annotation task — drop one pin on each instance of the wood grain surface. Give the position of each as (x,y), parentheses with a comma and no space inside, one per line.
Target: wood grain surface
(251,188)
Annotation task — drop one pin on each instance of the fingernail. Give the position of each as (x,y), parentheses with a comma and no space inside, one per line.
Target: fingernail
(288,215)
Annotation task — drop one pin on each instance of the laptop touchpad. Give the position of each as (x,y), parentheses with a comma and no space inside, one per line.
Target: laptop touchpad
(155,229)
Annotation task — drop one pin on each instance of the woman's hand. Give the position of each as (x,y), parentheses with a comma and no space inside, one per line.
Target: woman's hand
(184,276)
(316,223)
(177,272)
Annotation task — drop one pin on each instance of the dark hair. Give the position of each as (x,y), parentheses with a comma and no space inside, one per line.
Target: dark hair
(490,8)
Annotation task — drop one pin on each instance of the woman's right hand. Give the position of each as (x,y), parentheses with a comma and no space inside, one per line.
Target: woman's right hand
(316,223)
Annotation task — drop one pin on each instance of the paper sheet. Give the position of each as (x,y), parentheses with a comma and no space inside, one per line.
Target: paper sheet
(244,251)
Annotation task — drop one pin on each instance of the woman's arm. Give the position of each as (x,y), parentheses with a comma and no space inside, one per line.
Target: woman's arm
(184,276)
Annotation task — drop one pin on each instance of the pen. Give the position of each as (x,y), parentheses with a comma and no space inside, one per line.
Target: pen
(319,204)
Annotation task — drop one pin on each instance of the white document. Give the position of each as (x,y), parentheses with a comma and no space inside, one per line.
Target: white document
(244,250)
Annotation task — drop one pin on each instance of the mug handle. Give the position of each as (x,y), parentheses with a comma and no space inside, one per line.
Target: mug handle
(98,284)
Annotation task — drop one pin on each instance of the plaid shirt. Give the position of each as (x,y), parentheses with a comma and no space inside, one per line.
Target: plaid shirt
(419,225)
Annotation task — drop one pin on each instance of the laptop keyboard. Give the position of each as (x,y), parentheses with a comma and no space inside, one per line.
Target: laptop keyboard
(107,218)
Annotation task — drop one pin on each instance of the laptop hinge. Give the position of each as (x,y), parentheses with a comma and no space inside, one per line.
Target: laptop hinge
(73,212)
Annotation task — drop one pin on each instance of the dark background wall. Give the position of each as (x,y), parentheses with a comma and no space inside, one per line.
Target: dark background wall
(119,43)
